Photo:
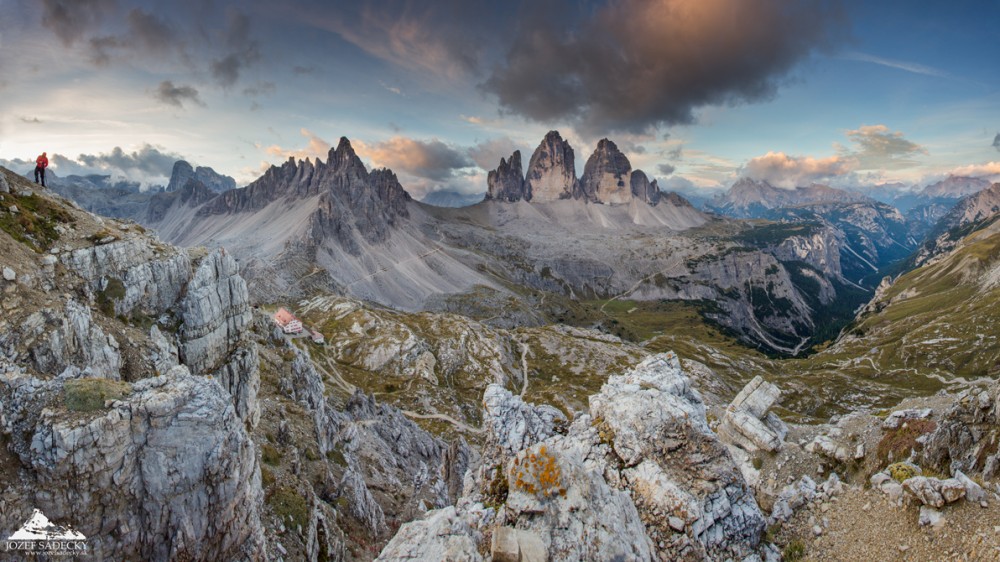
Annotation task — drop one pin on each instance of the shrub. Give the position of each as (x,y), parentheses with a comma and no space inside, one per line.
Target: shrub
(270,455)
(498,488)
(89,394)
(902,471)
(795,550)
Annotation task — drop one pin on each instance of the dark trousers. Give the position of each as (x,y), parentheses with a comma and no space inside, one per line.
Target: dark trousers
(40,172)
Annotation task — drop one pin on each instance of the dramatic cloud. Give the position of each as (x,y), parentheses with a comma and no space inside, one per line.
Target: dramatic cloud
(487,154)
(634,64)
(446,38)
(432,160)
(782,170)
(138,165)
(878,148)
(315,148)
(30,120)
(666,169)
(176,96)
(996,142)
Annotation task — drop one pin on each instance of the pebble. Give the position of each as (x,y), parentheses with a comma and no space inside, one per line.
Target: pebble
(9,274)
(904,547)
(824,507)
(867,506)
(817,530)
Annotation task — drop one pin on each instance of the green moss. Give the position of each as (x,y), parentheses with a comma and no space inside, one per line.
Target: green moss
(90,394)
(290,507)
(902,471)
(270,455)
(311,454)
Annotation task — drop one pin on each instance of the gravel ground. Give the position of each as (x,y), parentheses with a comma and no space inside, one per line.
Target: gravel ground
(861,525)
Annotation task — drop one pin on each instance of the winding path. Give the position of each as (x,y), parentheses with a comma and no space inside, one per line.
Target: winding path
(443,417)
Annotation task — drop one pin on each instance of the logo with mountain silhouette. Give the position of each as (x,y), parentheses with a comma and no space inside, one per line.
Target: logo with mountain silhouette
(39,535)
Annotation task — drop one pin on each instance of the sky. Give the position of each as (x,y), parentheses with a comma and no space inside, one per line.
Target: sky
(695,92)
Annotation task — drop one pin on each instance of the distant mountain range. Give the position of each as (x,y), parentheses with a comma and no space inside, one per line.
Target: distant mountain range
(779,268)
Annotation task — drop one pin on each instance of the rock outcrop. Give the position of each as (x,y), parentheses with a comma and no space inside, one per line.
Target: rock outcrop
(133,274)
(164,471)
(747,423)
(216,318)
(77,341)
(641,477)
(551,173)
(967,436)
(183,173)
(607,176)
(506,183)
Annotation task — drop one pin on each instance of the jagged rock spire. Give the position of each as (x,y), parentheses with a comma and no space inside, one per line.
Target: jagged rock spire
(506,183)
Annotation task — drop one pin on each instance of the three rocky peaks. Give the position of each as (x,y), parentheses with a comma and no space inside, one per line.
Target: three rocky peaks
(551,176)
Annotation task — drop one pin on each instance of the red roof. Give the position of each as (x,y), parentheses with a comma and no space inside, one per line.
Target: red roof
(283,317)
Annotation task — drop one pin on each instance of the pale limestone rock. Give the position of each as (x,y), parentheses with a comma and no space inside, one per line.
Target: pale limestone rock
(933,491)
(153,277)
(513,425)
(897,418)
(77,341)
(216,313)
(444,534)
(165,472)
(747,423)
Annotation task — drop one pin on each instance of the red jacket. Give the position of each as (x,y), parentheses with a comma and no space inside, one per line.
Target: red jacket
(42,162)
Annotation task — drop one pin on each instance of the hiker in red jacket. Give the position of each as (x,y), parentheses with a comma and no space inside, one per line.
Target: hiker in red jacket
(41,163)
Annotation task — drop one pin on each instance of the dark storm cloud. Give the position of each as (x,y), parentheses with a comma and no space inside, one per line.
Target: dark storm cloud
(996,142)
(632,64)
(666,169)
(176,95)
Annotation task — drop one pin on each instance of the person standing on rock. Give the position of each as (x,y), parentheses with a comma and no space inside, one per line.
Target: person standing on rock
(41,163)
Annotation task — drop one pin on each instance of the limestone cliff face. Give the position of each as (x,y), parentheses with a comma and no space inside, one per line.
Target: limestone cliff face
(607,176)
(551,171)
(506,183)
(648,192)
(150,275)
(167,472)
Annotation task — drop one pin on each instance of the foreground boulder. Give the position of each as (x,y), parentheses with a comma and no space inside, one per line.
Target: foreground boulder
(159,469)
(641,477)
(747,423)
